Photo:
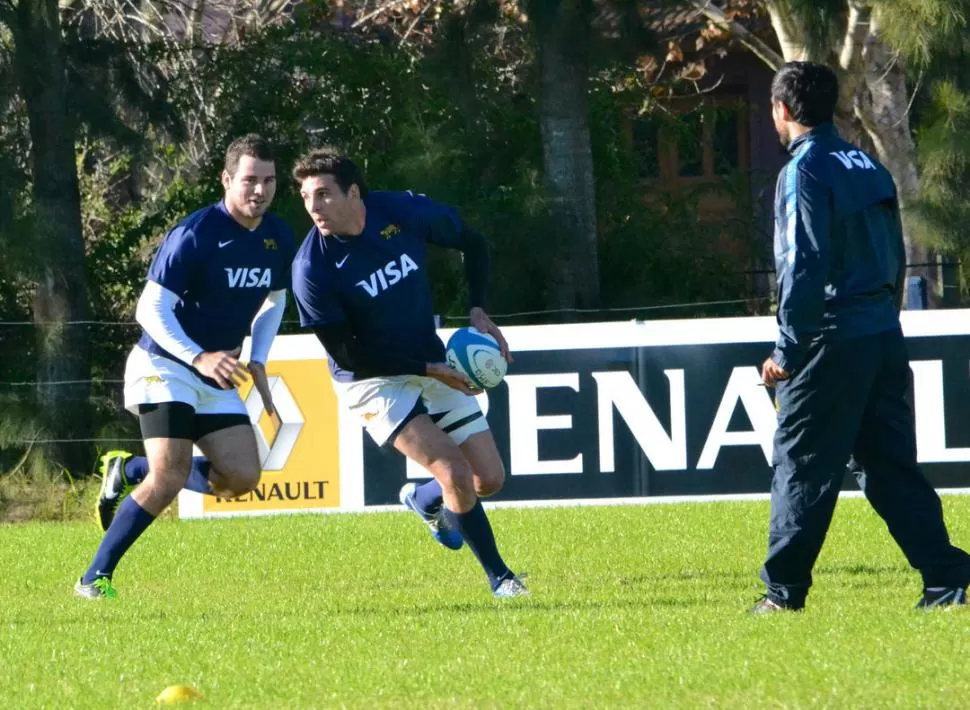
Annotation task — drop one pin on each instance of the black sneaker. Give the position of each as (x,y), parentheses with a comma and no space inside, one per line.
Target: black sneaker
(768,606)
(949,596)
(114,487)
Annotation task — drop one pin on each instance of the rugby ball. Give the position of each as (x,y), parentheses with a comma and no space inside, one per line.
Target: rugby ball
(476,355)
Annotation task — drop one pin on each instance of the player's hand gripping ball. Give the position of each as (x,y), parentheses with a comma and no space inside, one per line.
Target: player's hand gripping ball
(477,356)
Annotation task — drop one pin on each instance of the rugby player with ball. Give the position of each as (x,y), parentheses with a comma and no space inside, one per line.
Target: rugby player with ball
(360,281)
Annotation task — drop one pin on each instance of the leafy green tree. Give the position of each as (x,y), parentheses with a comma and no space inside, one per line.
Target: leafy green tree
(900,64)
(54,227)
(62,85)
(935,36)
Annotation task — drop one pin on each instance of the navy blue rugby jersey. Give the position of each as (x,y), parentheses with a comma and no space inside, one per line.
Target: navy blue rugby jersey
(222,272)
(377,281)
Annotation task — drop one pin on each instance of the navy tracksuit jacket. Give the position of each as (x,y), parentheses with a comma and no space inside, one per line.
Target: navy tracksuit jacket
(840,265)
(839,253)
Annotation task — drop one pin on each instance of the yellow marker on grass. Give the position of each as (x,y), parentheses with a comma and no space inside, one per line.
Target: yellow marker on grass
(178,694)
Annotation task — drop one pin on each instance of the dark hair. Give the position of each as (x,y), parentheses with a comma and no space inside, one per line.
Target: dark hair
(330,161)
(251,144)
(809,90)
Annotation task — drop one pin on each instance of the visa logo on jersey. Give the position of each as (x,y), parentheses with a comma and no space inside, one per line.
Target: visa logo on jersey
(246,277)
(854,158)
(383,279)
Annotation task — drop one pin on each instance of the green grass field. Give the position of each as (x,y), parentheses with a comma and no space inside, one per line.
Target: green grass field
(640,606)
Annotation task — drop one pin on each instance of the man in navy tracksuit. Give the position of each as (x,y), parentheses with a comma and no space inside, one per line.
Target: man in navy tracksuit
(840,364)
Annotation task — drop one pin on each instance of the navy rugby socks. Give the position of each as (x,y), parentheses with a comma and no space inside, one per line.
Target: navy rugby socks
(477,531)
(427,497)
(136,469)
(130,522)
(198,480)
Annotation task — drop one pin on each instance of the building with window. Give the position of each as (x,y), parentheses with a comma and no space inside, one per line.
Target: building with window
(716,145)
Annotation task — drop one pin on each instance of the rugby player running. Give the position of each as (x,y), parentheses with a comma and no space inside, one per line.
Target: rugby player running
(360,281)
(219,275)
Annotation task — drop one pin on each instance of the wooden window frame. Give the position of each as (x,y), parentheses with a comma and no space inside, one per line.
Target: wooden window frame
(668,157)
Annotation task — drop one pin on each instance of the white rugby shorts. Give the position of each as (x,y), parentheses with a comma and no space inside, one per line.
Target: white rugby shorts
(153,379)
(384,403)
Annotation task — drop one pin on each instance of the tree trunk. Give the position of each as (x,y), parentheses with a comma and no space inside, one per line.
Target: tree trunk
(883,108)
(791,37)
(562,34)
(61,295)
(873,109)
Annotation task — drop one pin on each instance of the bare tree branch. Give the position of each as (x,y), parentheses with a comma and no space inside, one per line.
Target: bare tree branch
(415,22)
(850,58)
(909,105)
(170,21)
(739,32)
(270,10)
(196,15)
(710,89)
(857,29)
(381,9)
(790,34)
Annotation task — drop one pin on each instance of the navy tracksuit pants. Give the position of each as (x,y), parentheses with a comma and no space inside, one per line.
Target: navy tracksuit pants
(849,400)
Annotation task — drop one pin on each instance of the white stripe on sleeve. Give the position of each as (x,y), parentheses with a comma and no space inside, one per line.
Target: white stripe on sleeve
(156,314)
(266,324)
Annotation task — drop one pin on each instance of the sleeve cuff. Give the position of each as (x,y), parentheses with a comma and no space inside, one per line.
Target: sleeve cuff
(781,360)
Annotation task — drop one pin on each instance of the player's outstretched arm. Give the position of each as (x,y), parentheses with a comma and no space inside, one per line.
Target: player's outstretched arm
(266,325)
(474,249)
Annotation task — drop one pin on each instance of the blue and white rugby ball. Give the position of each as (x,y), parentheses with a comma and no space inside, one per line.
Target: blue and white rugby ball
(478,356)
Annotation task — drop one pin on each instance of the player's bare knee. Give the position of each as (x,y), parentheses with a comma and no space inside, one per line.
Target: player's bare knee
(455,476)
(490,481)
(247,481)
(240,482)
(162,485)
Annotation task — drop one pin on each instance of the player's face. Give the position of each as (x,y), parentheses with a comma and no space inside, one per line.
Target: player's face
(250,191)
(780,115)
(332,210)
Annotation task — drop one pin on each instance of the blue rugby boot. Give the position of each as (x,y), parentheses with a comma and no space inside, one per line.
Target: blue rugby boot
(441,529)
(114,487)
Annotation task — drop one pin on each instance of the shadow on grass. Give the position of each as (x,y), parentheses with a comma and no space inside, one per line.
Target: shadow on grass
(684,575)
(856,570)
(120,613)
